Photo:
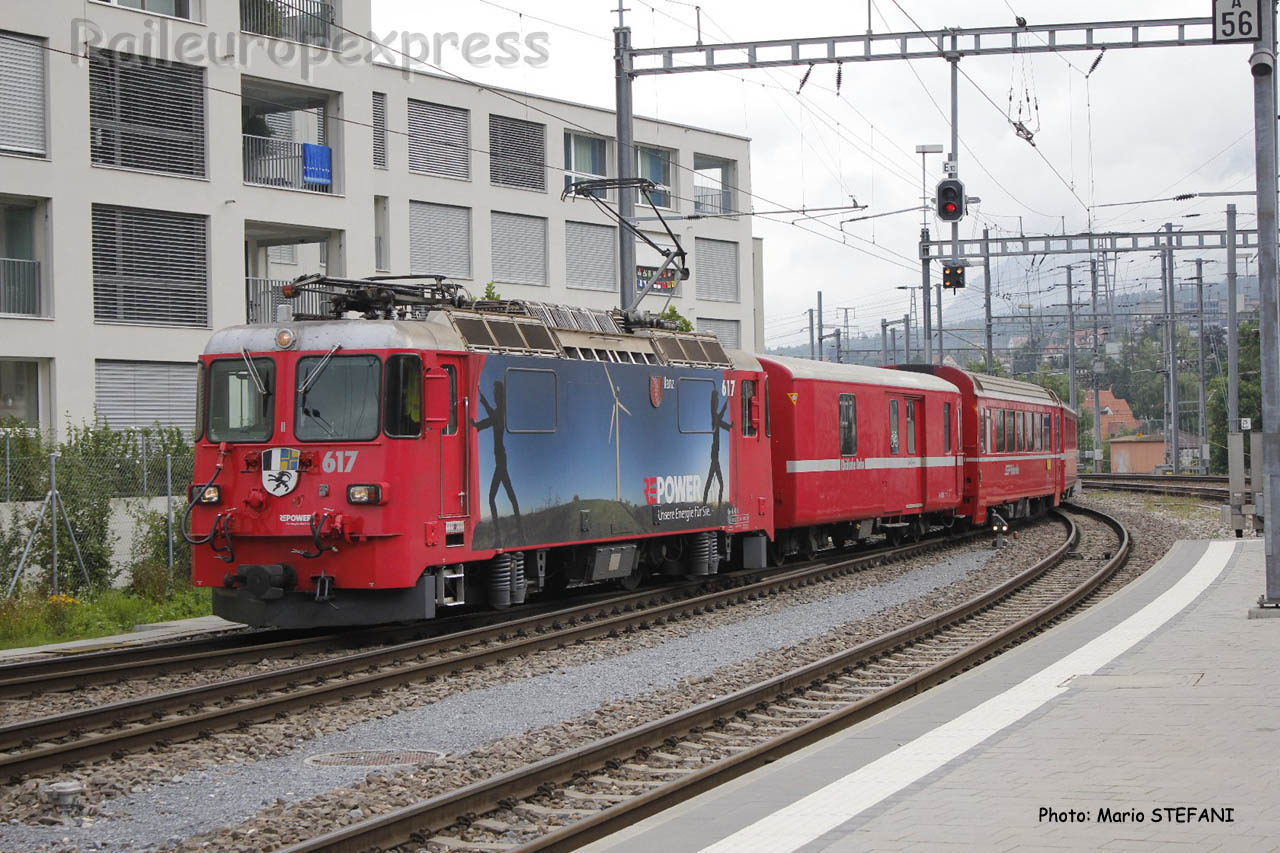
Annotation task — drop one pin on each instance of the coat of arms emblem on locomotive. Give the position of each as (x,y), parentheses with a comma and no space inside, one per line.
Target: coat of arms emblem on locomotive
(280,470)
(655,391)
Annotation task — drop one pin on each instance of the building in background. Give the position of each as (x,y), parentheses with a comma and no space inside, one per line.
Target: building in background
(145,202)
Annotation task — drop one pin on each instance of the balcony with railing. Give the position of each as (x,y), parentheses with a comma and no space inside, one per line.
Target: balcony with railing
(262,297)
(707,200)
(307,21)
(20,287)
(291,165)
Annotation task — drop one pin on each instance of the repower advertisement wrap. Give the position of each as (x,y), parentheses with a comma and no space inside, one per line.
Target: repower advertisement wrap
(580,450)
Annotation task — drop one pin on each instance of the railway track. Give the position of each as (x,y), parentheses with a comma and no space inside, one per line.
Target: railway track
(78,671)
(1207,487)
(48,743)
(570,799)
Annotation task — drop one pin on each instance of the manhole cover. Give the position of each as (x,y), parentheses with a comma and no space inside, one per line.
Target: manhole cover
(375,758)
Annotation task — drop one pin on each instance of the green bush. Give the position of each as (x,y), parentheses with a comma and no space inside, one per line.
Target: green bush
(35,620)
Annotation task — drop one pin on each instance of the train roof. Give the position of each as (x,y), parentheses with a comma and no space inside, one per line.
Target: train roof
(517,328)
(996,387)
(804,368)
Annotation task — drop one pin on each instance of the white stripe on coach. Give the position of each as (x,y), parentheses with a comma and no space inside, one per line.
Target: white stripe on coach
(850,463)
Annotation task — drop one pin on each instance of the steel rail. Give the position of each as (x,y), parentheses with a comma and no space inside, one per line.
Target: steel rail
(409,823)
(166,723)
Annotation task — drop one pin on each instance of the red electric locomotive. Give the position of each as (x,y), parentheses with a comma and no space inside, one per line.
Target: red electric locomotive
(438,451)
(1019,445)
(859,451)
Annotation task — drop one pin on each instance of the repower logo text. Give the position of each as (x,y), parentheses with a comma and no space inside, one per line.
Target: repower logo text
(668,490)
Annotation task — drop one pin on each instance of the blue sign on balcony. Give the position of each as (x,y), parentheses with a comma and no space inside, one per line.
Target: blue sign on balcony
(317,164)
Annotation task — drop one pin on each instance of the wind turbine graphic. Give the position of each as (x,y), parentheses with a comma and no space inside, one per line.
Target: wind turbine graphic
(615,432)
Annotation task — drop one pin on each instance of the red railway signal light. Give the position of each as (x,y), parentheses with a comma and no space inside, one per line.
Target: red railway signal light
(950,200)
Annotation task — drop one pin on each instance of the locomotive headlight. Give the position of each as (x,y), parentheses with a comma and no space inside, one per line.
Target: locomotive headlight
(284,338)
(364,494)
(205,495)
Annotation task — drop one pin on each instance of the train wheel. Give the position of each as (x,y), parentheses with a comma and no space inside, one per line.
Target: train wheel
(916,529)
(776,554)
(895,536)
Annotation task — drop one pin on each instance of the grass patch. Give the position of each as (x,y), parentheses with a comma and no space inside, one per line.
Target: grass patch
(34,621)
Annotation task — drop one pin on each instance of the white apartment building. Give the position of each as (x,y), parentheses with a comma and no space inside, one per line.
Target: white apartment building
(152,189)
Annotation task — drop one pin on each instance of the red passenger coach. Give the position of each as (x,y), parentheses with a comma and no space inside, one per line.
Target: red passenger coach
(1019,445)
(860,450)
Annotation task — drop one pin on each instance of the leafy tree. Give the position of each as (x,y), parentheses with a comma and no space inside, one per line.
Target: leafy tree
(1250,365)
(491,293)
(682,322)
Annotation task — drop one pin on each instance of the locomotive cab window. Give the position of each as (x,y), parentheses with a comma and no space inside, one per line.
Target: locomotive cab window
(241,399)
(451,426)
(749,428)
(911,426)
(848,425)
(337,398)
(893,426)
(402,398)
(946,427)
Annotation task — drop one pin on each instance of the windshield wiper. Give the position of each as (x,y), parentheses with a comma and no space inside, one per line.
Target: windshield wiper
(253,372)
(324,362)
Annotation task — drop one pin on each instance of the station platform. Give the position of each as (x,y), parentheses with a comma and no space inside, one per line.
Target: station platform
(149,633)
(1150,721)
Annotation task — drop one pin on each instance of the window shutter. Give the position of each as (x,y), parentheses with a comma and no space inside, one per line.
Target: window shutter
(150,267)
(379,130)
(280,125)
(715,267)
(439,239)
(519,249)
(142,393)
(146,114)
(22,86)
(282,254)
(728,331)
(591,253)
(439,137)
(517,153)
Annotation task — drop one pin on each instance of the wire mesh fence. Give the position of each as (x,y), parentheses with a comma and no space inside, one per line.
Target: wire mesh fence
(73,519)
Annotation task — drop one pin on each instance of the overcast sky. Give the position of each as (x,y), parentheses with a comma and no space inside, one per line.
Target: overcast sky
(1147,123)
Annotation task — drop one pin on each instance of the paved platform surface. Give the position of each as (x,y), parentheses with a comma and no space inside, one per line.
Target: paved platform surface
(1163,697)
(140,634)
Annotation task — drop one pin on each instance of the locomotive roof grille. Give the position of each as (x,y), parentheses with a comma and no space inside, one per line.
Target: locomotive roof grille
(510,325)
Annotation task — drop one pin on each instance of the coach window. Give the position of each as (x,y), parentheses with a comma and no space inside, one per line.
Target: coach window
(911,426)
(893,426)
(848,425)
(402,398)
(999,446)
(768,425)
(1022,431)
(748,394)
(451,428)
(1047,426)
(946,427)
(529,401)
(982,430)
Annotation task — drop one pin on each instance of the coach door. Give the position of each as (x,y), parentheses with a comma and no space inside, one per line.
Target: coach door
(913,438)
(450,414)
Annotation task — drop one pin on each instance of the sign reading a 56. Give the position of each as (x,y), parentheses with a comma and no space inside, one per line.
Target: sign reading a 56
(1236,20)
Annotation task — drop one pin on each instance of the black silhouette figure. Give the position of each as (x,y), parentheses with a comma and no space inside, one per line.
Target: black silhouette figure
(718,423)
(279,480)
(496,420)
